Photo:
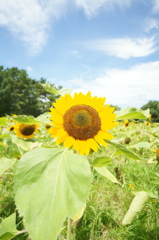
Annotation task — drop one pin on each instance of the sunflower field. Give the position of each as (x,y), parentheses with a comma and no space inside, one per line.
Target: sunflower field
(80,171)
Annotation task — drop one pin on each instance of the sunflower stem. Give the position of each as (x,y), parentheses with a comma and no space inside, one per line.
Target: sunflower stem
(69,229)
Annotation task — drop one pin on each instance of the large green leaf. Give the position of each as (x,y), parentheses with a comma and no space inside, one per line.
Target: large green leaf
(6,163)
(106,173)
(50,185)
(124,150)
(136,206)
(8,228)
(129,113)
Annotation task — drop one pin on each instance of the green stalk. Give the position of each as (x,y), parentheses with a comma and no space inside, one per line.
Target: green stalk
(69,229)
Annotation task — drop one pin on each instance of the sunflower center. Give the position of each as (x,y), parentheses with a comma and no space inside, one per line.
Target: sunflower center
(81,122)
(82,118)
(27,130)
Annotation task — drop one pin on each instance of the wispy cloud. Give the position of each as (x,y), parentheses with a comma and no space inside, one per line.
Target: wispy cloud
(123,48)
(155,6)
(30,21)
(151,24)
(92,7)
(132,87)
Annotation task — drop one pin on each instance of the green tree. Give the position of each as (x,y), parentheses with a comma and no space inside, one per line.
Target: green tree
(154,109)
(19,94)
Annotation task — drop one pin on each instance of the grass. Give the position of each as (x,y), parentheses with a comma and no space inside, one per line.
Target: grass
(108,202)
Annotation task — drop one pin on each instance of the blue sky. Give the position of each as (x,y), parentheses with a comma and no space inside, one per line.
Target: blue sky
(109,47)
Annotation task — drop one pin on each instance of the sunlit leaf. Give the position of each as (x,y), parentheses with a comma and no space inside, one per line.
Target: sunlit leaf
(43,118)
(136,206)
(101,161)
(26,145)
(106,173)
(8,228)
(65,91)
(124,150)
(50,185)
(4,135)
(140,145)
(132,113)
(49,88)
(26,119)
(3,121)
(6,163)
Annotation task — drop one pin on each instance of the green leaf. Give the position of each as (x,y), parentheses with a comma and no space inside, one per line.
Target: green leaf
(124,150)
(140,145)
(4,135)
(130,113)
(26,119)
(8,228)
(106,173)
(3,121)
(154,130)
(49,88)
(6,163)
(101,161)
(24,144)
(44,118)
(50,185)
(64,91)
(136,206)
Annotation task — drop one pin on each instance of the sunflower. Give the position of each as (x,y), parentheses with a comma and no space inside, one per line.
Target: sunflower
(11,128)
(157,154)
(126,123)
(25,131)
(81,122)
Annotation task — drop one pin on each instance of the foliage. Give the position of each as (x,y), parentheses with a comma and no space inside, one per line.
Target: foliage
(154,109)
(22,95)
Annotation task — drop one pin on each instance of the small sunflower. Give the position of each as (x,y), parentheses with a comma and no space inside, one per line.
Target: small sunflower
(11,128)
(25,130)
(82,122)
(157,154)
(126,123)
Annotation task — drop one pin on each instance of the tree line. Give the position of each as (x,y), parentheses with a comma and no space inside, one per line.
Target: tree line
(22,95)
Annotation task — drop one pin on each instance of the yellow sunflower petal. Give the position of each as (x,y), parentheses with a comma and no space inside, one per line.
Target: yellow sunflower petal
(93,144)
(107,135)
(61,139)
(99,138)
(69,141)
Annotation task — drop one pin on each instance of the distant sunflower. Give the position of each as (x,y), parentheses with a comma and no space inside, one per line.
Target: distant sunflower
(11,128)
(126,123)
(82,122)
(157,154)
(25,130)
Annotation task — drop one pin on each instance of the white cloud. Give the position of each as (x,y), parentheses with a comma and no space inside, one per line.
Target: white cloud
(123,48)
(132,87)
(30,20)
(91,7)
